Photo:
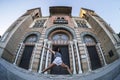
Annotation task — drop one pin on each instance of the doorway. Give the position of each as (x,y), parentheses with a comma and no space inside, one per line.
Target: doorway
(94,58)
(65,58)
(25,59)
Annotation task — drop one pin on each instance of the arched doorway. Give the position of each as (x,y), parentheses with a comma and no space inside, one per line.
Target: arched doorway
(29,43)
(60,38)
(65,38)
(92,51)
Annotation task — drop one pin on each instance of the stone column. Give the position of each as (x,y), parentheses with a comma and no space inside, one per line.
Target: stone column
(16,57)
(46,63)
(74,66)
(79,63)
(102,53)
(41,60)
(87,57)
(30,69)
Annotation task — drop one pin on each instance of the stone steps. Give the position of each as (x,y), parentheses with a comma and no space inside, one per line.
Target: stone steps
(9,71)
(118,77)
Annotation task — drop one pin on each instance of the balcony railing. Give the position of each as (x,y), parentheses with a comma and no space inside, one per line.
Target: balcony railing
(60,21)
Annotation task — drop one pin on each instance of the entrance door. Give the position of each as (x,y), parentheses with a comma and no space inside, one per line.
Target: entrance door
(94,58)
(65,58)
(25,60)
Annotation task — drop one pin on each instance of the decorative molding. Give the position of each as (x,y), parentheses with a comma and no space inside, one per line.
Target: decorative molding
(30,33)
(89,33)
(64,27)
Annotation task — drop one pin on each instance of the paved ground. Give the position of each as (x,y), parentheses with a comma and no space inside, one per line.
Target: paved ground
(118,77)
(9,71)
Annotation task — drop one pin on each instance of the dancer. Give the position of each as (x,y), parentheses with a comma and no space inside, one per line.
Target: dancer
(57,59)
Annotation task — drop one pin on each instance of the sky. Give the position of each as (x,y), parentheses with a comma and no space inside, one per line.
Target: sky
(11,10)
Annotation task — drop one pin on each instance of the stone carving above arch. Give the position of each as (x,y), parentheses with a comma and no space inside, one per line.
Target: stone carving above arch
(57,27)
(31,33)
(90,34)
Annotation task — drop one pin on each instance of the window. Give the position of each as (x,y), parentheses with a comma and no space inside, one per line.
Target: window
(110,53)
(31,38)
(81,23)
(60,36)
(58,17)
(60,20)
(39,23)
(62,17)
(89,39)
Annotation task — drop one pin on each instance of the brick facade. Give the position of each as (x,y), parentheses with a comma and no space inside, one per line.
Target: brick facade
(79,58)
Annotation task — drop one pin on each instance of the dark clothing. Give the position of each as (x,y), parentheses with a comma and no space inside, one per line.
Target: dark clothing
(57,54)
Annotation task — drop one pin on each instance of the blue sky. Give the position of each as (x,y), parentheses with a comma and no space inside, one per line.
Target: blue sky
(10,10)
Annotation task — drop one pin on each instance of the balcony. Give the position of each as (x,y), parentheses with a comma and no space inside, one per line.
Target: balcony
(60,21)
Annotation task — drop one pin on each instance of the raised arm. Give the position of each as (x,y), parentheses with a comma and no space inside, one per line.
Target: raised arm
(49,49)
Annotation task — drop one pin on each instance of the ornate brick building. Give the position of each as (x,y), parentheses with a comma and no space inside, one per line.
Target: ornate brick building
(87,42)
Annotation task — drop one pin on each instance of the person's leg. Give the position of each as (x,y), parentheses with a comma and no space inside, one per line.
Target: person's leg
(49,67)
(65,66)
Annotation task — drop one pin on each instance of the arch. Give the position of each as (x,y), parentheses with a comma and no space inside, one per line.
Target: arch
(60,36)
(31,38)
(61,31)
(28,49)
(89,34)
(90,44)
(31,33)
(89,39)
(49,30)
(61,43)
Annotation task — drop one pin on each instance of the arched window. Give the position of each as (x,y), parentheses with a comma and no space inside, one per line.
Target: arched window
(81,24)
(89,39)
(62,18)
(60,36)
(31,38)
(92,52)
(58,17)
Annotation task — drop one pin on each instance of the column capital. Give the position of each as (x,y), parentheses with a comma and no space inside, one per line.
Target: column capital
(71,42)
(74,40)
(49,42)
(98,43)
(84,44)
(45,40)
(21,43)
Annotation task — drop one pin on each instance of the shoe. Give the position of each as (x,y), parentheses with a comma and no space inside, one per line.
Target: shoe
(71,74)
(42,72)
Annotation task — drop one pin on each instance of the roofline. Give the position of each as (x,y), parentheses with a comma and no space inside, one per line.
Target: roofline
(88,9)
